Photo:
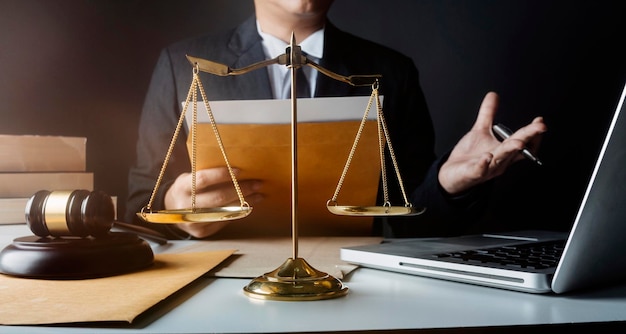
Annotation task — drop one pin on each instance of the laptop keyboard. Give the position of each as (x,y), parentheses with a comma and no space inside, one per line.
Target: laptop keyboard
(531,256)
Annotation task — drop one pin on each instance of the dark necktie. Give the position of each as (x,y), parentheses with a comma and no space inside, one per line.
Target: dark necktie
(302,84)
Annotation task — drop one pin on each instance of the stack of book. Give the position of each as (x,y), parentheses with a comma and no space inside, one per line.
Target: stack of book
(29,163)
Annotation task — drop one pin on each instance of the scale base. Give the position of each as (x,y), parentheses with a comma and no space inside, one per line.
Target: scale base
(75,258)
(295,280)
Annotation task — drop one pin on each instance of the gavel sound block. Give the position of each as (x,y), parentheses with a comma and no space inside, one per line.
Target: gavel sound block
(72,239)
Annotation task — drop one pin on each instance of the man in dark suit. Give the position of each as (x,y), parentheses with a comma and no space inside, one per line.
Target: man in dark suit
(452,187)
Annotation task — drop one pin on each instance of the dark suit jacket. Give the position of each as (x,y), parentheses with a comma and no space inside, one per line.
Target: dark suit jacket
(405,109)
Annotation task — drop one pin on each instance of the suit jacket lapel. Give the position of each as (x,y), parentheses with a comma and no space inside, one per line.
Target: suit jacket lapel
(333,61)
(245,43)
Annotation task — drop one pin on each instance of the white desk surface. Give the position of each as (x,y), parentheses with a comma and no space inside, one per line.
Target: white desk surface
(376,301)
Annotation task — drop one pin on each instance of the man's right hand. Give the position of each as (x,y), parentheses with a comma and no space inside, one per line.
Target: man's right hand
(214,188)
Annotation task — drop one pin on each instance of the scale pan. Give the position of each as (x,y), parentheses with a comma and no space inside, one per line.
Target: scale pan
(354,210)
(205,215)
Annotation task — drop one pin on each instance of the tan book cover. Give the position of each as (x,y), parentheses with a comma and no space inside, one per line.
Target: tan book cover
(32,153)
(27,184)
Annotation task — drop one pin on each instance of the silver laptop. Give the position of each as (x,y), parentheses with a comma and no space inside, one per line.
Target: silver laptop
(591,255)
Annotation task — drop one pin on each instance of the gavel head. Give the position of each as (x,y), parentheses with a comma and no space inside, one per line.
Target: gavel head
(78,213)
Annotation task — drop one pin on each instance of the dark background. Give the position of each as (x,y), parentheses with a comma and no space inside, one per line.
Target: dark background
(81,68)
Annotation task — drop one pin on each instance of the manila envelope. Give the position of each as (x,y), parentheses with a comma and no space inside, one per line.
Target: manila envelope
(264,152)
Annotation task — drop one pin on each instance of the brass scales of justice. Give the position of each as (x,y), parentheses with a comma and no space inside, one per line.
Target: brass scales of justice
(295,279)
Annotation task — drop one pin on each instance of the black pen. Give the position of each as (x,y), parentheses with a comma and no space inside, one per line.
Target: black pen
(503,132)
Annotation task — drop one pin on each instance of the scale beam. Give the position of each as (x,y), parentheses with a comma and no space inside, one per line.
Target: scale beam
(222,70)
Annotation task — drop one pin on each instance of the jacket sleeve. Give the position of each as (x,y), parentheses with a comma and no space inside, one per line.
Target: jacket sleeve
(160,115)
(444,215)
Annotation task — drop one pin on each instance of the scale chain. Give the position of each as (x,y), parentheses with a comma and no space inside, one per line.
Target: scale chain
(171,146)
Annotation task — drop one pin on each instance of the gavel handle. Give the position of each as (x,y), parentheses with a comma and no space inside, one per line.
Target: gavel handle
(141,231)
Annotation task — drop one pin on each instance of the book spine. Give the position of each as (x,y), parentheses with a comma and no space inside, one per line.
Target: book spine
(12,210)
(28,153)
(15,185)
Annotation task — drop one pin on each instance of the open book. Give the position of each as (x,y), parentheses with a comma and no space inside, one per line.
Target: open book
(256,135)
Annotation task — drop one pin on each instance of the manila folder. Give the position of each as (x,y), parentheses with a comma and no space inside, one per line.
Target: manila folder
(257,139)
